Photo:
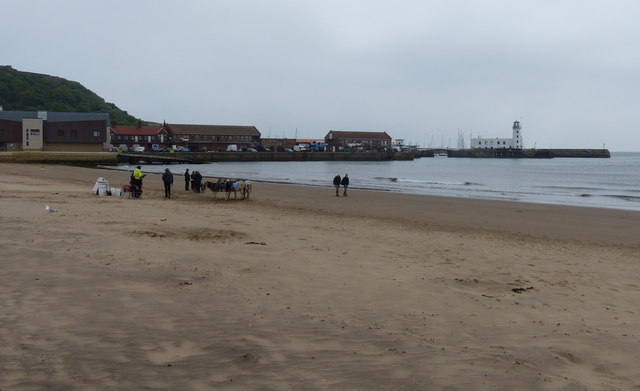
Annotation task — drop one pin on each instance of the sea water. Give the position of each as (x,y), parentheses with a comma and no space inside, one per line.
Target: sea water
(608,183)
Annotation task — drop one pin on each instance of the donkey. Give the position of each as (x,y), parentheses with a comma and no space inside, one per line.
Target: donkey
(243,187)
(216,187)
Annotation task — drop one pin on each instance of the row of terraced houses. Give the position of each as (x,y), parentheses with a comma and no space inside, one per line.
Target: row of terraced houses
(54,131)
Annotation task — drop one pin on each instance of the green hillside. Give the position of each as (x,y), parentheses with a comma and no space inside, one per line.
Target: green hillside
(33,91)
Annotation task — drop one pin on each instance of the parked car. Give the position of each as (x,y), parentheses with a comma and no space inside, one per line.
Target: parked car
(138,149)
(288,150)
(123,148)
(155,148)
(113,149)
(182,149)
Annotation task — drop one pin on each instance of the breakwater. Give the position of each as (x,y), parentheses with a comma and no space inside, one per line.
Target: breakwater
(519,153)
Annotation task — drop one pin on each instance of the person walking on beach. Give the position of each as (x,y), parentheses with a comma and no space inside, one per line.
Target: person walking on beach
(345,184)
(336,184)
(187,179)
(167,179)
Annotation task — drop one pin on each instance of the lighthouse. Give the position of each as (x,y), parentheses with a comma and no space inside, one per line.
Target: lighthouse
(517,136)
(515,142)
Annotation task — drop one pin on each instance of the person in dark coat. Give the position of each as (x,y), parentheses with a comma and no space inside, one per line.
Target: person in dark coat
(132,184)
(187,179)
(197,181)
(167,179)
(336,183)
(345,184)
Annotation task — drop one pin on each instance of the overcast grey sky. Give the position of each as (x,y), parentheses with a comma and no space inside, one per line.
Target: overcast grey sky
(420,70)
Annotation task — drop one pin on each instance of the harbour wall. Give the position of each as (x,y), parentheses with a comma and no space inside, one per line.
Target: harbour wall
(597,153)
(529,153)
(212,157)
(55,157)
(113,158)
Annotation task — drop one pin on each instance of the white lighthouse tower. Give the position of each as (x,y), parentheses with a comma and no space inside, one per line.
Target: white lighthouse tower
(517,135)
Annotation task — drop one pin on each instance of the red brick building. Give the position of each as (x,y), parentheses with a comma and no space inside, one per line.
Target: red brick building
(338,140)
(144,136)
(213,138)
(197,138)
(278,144)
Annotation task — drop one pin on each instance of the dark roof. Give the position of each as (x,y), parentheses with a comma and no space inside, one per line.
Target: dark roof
(53,116)
(352,134)
(137,130)
(213,129)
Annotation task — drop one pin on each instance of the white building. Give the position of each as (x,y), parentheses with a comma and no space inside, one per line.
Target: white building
(515,142)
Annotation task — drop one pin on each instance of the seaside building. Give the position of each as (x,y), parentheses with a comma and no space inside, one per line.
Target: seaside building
(144,136)
(515,142)
(212,138)
(339,140)
(54,131)
(278,144)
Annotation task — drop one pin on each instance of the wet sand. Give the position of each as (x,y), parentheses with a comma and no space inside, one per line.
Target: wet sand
(296,289)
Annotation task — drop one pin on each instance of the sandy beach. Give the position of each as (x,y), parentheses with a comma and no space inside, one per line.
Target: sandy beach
(296,289)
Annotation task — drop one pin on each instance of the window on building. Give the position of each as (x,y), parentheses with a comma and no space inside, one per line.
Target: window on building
(96,133)
(74,133)
(60,132)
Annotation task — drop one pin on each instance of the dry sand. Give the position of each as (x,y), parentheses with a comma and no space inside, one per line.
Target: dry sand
(296,289)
